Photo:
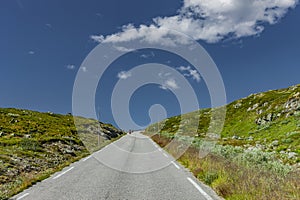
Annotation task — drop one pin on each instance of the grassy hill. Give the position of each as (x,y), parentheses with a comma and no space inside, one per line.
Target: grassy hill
(269,121)
(257,153)
(33,145)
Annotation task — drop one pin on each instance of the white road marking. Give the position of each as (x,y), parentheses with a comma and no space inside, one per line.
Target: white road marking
(165,155)
(59,175)
(86,158)
(24,195)
(175,165)
(199,189)
(159,149)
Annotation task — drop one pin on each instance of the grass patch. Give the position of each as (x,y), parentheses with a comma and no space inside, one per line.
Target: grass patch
(34,145)
(235,179)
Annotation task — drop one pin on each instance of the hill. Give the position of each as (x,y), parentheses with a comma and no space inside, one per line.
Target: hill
(255,155)
(269,121)
(34,145)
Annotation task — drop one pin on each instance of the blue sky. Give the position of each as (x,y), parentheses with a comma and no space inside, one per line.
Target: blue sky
(43,44)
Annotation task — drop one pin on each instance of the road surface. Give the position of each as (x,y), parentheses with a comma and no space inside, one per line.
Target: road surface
(132,168)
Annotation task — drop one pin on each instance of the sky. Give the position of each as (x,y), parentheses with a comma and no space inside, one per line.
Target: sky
(255,45)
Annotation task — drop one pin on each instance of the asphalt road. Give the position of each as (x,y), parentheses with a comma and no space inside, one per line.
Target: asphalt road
(132,168)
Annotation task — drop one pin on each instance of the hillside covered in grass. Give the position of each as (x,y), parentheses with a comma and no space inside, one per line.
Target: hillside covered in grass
(256,155)
(33,145)
(269,121)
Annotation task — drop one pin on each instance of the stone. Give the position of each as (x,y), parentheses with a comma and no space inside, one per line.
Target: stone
(269,117)
(237,105)
(259,112)
(235,137)
(265,104)
(292,155)
(275,143)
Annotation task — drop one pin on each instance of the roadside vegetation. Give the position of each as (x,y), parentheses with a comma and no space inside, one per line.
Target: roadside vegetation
(257,153)
(34,145)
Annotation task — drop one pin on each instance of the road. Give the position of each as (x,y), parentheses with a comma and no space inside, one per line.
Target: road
(132,168)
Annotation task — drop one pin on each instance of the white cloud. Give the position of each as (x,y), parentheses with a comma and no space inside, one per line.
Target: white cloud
(71,67)
(169,84)
(123,49)
(31,52)
(195,75)
(124,75)
(208,20)
(190,72)
(151,54)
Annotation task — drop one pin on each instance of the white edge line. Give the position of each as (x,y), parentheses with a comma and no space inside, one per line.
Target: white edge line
(159,149)
(24,195)
(199,189)
(165,155)
(59,175)
(175,165)
(86,158)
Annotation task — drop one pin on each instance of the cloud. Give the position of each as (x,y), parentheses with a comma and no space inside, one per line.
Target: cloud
(208,20)
(124,75)
(123,49)
(148,55)
(71,67)
(190,73)
(31,52)
(169,84)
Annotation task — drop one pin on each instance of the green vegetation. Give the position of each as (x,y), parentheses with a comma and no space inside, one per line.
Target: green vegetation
(257,153)
(34,145)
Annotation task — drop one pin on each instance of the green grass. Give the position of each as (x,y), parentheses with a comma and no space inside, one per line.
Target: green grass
(34,145)
(240,121)
(235,174)
(250,160)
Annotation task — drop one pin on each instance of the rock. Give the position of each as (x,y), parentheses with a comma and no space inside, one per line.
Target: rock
(2,134)
(297,95)
(235,137)
(259,112)
(265,104)
(275,143)
(269,117)
(255,106)
(213,136)
(260,146)
(258,121)
(250,138)
(13,115)
(237,105)
(292,155)
(27,136)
